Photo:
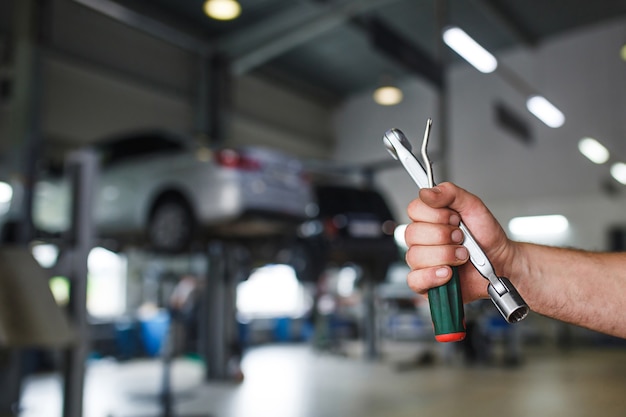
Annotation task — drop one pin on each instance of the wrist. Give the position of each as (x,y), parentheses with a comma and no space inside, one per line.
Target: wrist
(516,265)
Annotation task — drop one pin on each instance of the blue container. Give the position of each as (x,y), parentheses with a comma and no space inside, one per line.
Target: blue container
(282,329)
(154,331)
(127,338)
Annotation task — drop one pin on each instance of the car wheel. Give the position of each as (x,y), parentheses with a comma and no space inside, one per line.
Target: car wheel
(171,225)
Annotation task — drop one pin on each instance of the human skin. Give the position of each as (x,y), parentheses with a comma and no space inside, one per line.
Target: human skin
(575,286)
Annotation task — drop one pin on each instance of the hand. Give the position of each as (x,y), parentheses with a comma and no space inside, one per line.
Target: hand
(435,240)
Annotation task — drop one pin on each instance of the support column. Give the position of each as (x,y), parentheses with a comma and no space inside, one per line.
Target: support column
(21,136)
(212,334)
(219,98)
(369,301)
(441,19)
(218,329)
(83,169)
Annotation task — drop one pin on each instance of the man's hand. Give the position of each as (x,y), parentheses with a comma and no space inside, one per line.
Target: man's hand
(435,240)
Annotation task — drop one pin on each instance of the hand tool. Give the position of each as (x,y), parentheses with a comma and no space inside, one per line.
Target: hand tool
(447,318)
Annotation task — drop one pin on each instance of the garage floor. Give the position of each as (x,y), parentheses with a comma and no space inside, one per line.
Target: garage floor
(295,381)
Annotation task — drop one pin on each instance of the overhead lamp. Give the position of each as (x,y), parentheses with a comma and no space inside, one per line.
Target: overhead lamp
(545,111)
(222,9)
(6,192)
(398,236)
(593,150)
(532,226)
(618,171)
(469,49)
(388,95)
(622,52)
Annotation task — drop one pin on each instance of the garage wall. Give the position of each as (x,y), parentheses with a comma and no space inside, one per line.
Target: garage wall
(82,103)
(580,73)
(102,76)
(267,114)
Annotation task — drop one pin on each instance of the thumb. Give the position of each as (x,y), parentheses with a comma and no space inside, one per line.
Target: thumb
(448,195)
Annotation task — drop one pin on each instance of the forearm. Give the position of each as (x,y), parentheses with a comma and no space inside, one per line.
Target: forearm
(583,288)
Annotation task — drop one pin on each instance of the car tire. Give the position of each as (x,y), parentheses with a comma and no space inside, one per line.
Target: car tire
(171,225)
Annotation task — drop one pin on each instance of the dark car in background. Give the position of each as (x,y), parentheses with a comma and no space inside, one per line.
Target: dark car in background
(354,224)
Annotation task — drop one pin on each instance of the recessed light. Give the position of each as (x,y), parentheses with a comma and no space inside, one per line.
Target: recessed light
(222,9)
(388,95)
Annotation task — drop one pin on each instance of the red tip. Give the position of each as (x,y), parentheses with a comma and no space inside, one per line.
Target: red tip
(450,337)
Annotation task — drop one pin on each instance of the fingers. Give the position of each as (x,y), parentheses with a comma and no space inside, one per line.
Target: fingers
(420,233)
(421,280)
(434,240)
(428,257)
(447,194)
(419,211)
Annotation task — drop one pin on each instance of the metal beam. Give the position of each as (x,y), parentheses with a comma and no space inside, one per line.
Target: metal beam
(329,17)
(257,33)
(146,24)
(503,16)
(396,47)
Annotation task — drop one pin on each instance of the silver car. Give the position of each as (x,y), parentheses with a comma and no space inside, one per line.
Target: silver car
(163,188)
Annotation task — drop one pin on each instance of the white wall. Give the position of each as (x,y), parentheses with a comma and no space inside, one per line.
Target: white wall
(581,73)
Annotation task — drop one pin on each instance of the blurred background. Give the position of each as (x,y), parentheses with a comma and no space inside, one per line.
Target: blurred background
(198,215)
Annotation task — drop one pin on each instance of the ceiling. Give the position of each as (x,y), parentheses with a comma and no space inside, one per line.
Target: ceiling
(332,49)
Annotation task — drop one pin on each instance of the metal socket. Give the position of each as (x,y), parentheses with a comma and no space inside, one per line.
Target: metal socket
(510,303)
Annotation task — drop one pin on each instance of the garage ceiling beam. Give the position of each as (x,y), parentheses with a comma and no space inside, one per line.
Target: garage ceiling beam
(298,32)
(503,16)
(147,24)
(399,49)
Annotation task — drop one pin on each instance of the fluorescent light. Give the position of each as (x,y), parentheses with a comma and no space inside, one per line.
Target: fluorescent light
(545,111)
(469,49)
(622,52)
(6,192)
(222,9)
(552,224)
(346,278)
(388,95)
(45,254)
(618,171)
(593,150)
(398,235)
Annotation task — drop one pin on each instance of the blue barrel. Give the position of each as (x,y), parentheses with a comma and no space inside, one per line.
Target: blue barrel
(154,331)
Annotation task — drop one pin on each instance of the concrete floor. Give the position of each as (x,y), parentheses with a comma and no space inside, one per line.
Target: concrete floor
(295,381)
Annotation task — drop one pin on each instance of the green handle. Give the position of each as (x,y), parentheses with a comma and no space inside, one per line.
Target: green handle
(446,309)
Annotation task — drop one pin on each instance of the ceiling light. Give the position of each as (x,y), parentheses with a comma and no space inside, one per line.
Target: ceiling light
(222,9)
(470,50)
(6,192)
(398,235)
(622,52)
(538,225)
(388,95)
(618,171)
(593,150)
(545,111)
